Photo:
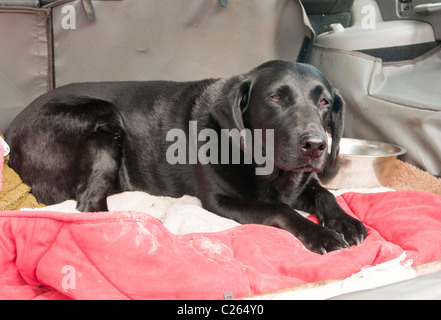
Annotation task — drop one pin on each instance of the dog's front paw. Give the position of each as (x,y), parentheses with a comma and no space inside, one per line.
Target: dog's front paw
(322,240)
(352,229)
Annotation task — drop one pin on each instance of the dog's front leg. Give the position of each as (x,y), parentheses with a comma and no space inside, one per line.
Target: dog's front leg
(317,200)
(314,237)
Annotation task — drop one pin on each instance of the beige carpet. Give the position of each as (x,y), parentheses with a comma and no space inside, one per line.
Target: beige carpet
(400,175)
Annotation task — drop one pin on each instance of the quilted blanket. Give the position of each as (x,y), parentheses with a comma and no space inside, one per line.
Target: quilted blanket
(133,255)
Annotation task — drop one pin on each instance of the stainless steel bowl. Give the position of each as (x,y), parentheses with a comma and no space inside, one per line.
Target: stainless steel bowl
(360,164)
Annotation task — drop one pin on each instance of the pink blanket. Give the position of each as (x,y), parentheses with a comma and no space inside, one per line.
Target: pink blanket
(55,255)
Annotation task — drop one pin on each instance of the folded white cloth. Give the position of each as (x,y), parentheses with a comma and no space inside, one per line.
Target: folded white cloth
(179,215)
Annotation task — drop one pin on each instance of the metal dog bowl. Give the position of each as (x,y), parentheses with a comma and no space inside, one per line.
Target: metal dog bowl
(360,164)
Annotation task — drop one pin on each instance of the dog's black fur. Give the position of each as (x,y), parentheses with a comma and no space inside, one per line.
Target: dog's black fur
(88,140)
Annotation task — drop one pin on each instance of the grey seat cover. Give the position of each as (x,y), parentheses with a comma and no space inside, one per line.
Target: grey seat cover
(179,40)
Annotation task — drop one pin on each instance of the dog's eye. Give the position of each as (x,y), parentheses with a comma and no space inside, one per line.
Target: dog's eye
(324,102)
(277,97)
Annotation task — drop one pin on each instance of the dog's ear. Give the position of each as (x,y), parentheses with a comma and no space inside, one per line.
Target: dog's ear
(336,125)
(230,107)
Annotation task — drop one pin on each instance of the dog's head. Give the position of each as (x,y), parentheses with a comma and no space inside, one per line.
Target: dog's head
(297,102)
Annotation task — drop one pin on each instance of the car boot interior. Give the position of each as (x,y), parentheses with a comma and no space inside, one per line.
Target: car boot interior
(388,72)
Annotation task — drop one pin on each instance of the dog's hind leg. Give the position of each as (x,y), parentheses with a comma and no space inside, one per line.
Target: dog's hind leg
(69,148)
(99,166)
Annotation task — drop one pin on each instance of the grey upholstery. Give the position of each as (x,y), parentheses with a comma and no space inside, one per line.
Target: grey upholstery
(395,102)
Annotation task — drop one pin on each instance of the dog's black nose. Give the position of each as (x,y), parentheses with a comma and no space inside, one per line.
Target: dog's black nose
(313,146)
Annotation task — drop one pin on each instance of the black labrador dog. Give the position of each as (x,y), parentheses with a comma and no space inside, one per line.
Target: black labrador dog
(86,141)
